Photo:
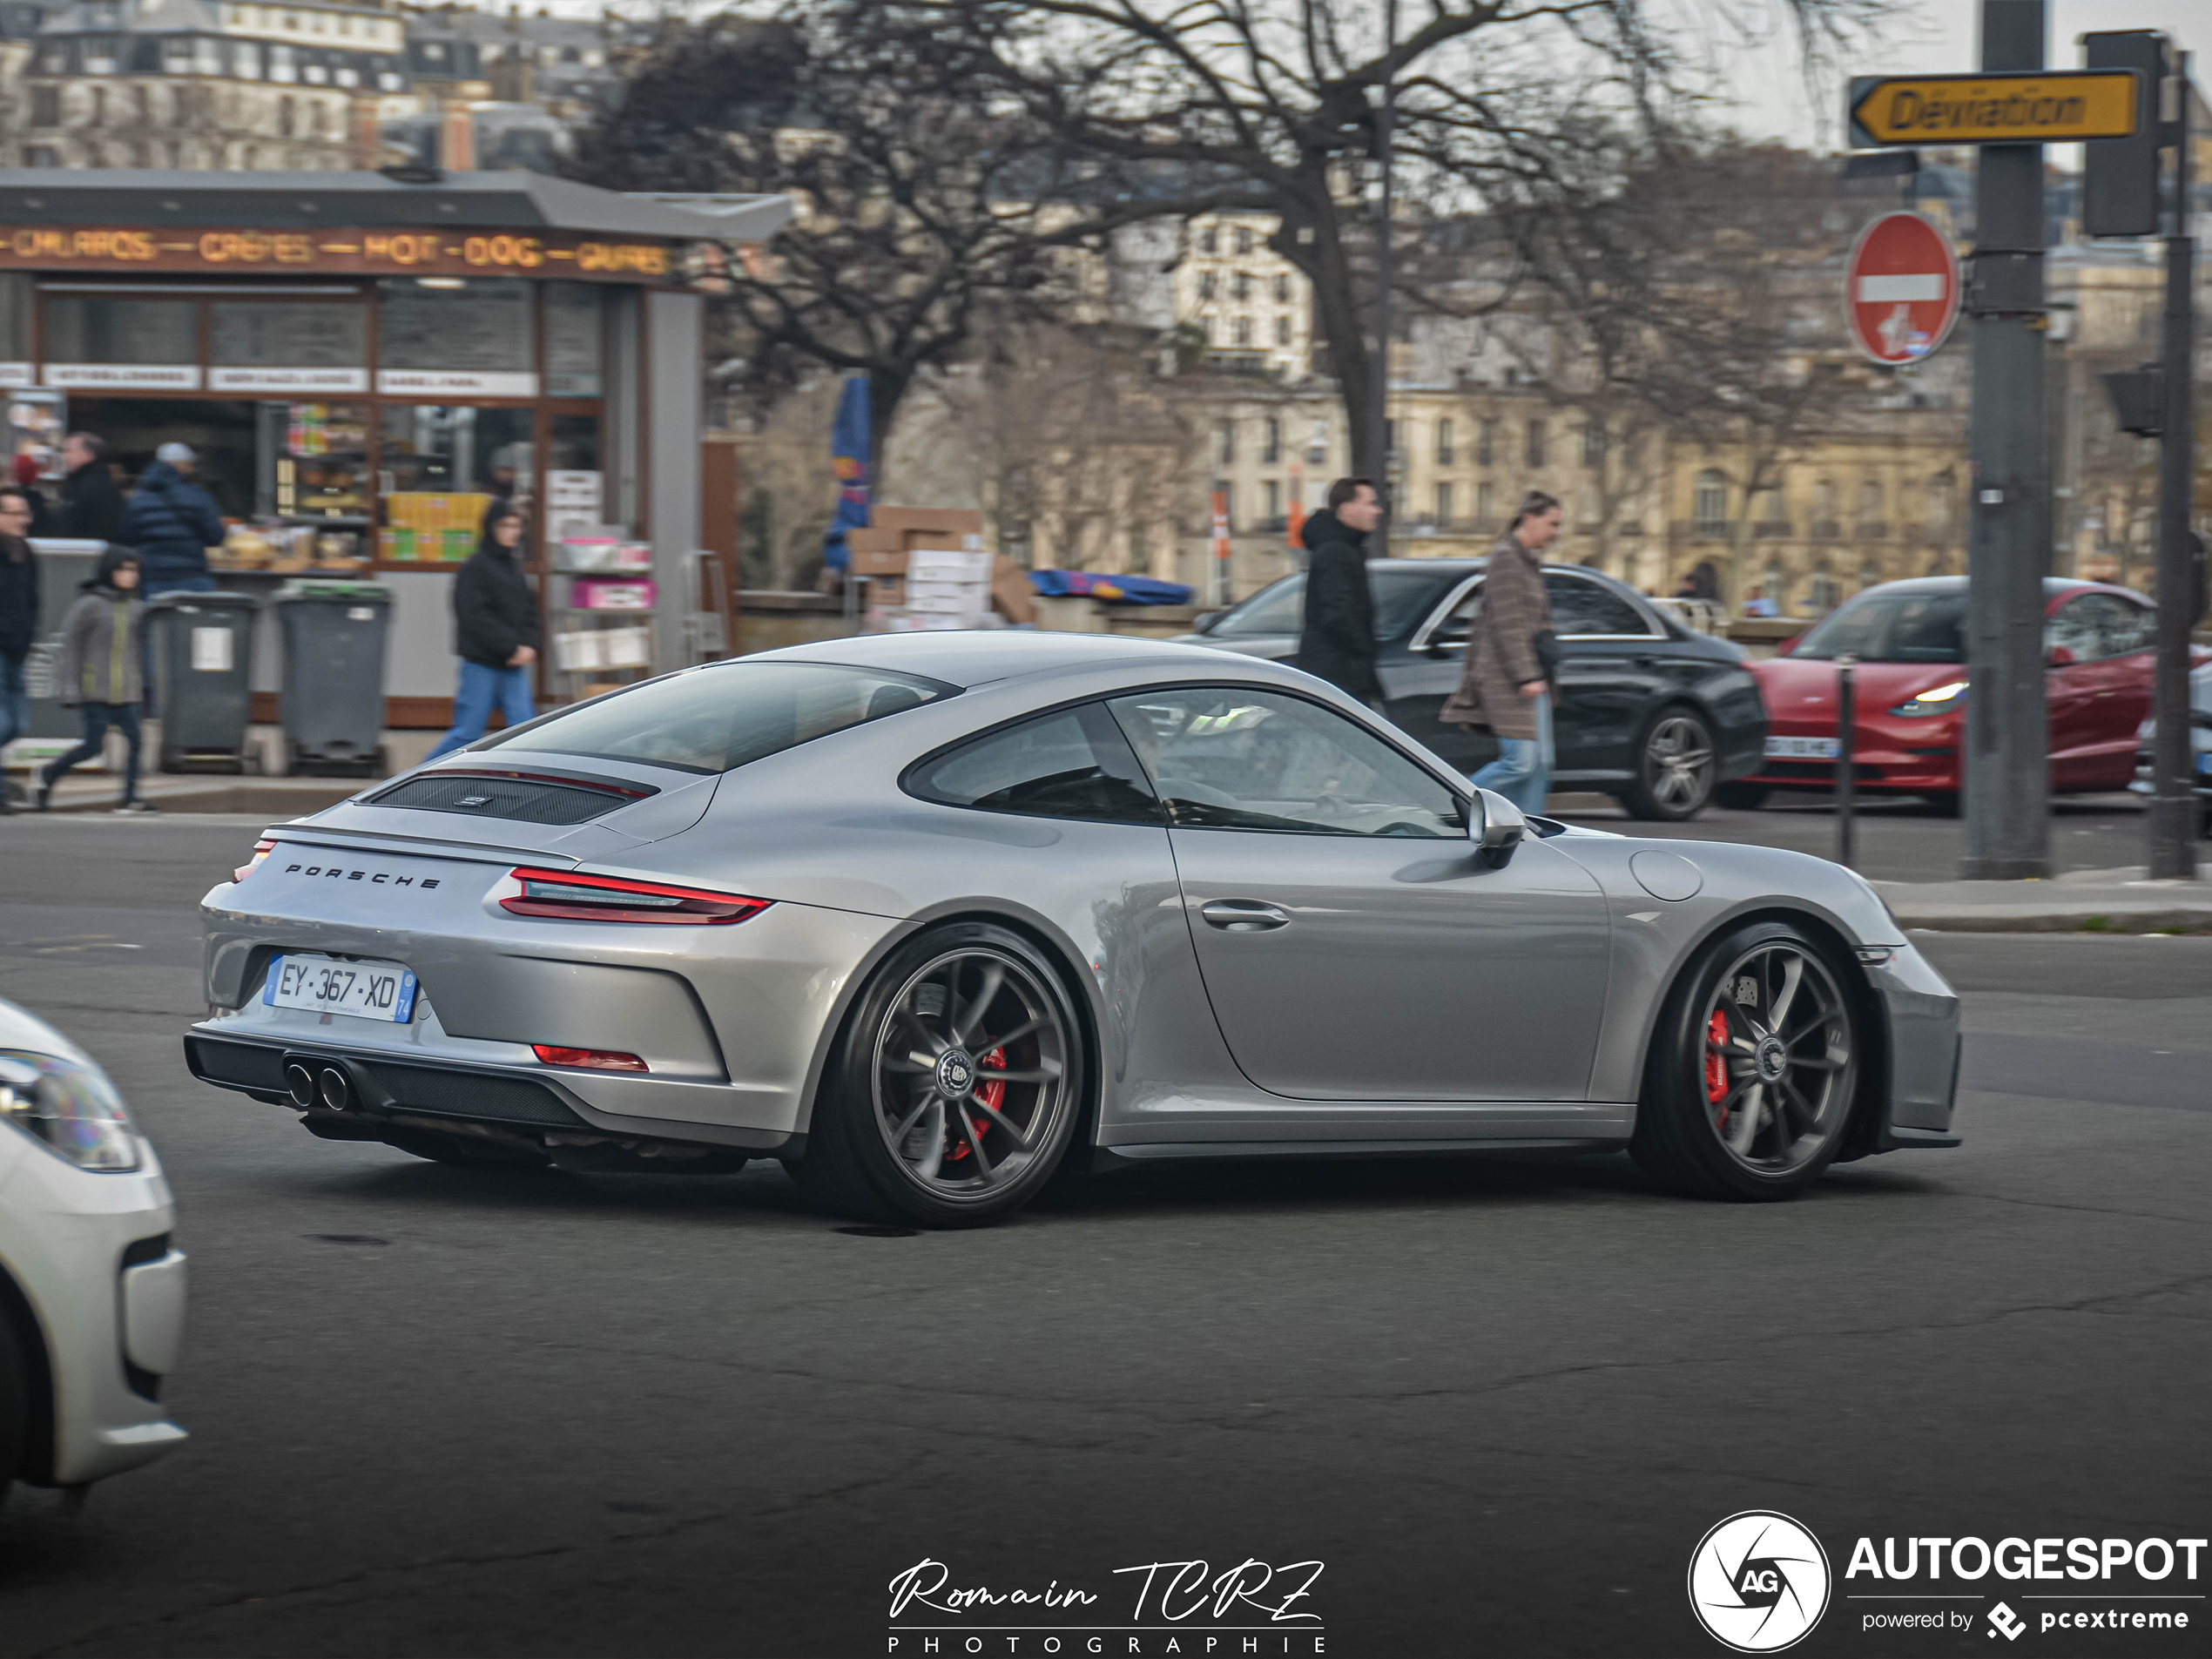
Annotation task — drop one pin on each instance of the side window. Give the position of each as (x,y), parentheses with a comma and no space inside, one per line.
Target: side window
(1070,765)
(1581,606)
(1230,758)
(1451,632)
(2074,627)
(2122,625)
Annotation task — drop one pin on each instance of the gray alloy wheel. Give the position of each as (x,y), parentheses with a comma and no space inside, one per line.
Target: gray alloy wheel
(1754,1070)
(957,1085)
(971,1072)
(1676,769)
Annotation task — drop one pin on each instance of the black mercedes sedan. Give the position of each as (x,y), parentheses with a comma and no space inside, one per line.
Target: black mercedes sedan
(1648,711)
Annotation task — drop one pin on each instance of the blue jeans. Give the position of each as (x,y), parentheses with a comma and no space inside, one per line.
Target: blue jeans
(1522,771)
(99,716)
(15,705)
(481,688)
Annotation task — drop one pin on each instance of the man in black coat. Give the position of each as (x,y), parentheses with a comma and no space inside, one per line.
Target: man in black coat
(91,505)
(495,632)
(1337,642)
(18,616)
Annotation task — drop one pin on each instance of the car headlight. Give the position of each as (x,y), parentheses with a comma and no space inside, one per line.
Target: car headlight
(1936,699)
(72,1110)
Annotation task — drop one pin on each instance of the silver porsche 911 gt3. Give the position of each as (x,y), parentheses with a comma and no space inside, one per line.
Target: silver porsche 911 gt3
(929,917)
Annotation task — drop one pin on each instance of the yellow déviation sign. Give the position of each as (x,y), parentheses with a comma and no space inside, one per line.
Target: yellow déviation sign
(2062,107)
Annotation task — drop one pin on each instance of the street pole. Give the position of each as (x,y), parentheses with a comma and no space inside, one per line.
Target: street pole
(2172,804)
(1846,773)
(2007,765)
(1378,417)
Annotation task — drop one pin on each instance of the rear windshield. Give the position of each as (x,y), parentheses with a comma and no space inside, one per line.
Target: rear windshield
(713,719)
(1893,628)
(1402,597)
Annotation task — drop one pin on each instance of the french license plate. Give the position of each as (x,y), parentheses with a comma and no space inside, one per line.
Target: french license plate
(1801,748)
(325,985)
(2204,764)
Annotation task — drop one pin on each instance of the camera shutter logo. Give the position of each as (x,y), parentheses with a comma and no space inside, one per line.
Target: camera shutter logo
(1758,1581)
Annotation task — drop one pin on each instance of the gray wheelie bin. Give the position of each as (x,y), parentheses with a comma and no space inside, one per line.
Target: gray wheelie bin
(203,662)
(333,639)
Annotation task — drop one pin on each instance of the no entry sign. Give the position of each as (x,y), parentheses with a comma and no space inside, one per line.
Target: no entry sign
(1901,288)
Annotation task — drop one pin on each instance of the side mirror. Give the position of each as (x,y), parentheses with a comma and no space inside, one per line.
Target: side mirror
(1203,622)
(2059,658)
(1499,829)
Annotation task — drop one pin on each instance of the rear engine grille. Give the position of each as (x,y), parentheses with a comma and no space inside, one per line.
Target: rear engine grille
(244,1065)
(529,800)
(471,1093)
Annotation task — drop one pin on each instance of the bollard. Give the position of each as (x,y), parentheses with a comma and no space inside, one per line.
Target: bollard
(1846,778)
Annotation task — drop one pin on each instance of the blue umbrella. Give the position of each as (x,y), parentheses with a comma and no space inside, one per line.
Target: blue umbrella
(849,460)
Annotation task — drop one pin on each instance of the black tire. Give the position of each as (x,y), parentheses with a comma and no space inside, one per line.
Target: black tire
(15,1405)
(1742,797)
(1701,1130)
(464,1151)
(1677,765)
(897,1115)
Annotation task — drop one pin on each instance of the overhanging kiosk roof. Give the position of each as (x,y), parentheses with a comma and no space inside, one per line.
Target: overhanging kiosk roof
(499,201)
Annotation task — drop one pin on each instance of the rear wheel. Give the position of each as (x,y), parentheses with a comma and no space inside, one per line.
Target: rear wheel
(956,1087)
(1742,797)
(1753,1070)
(1676,767)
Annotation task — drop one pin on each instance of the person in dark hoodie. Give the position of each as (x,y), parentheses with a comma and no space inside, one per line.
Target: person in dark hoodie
(101,642)
(171,521)
(91,505)
(18,618)
(494,627)
(1337,641)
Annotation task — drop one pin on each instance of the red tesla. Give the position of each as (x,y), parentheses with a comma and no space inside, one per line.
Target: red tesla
(1910,638)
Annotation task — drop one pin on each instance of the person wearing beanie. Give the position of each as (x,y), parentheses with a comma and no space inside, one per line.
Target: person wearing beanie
(100,673)
(171,522)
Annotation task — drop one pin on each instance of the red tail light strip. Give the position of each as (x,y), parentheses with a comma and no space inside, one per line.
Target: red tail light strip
(564,895)
(586,1059)
(261,850)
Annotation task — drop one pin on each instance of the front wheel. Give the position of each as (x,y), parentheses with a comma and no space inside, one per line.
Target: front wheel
(1675,767)
(956,1087)
(1752,1071)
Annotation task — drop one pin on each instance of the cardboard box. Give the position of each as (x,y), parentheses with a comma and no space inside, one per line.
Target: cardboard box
(952,522)
(944,564)
(884,590)
(872,562)
(1011,595)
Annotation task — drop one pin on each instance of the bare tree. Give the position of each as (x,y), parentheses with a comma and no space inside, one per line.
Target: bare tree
(1184,107)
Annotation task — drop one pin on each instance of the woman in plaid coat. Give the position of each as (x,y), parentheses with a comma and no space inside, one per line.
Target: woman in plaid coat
(1506,684)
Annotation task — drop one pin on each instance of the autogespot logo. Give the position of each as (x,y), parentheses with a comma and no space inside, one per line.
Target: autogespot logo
(1758,1581)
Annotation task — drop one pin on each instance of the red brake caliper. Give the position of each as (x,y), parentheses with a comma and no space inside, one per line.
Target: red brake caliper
(1717,1062)
(992,1094)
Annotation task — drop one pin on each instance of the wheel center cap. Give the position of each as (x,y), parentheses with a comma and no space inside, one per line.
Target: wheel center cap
(955,1072)
(1771,1059)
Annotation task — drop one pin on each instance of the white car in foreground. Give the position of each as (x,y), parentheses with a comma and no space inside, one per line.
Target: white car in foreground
(91,1290)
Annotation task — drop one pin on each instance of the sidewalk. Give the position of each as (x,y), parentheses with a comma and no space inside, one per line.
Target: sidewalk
(201,792)
(2117,901)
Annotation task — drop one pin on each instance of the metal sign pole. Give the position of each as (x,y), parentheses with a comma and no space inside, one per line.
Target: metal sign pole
(2172,806)
(1846,746)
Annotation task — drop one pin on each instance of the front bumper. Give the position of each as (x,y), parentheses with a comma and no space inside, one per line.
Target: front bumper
(91,1254)
(1920,1012)
(1888,752)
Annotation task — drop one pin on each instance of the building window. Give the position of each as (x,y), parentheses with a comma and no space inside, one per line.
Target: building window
(1272,450)
(1444,442)
(1244,331)
(1244,239)
(285,117)
(1821,593)
(1486,504)
(1940,503)
(1240,286)
(1535,444)
(1594,443)
(45,111)
(1206,285)
(1282,288)
(1823,508)
(1317,444)
(1869,504)
(1228,442)
(1485,444)
(1283,330)
(1390,437)
(1271,495)
(1444,503)
(1208,240)
(1709,506)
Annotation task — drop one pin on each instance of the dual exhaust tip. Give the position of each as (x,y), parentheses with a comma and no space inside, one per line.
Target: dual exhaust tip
(309,1086)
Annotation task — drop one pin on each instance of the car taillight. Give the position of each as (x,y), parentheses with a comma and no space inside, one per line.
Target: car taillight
(586,1059)
(261,850)
(566,896)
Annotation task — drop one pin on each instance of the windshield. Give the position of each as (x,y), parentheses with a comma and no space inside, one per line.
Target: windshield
(1893,628)
(715,718)
(1402,597)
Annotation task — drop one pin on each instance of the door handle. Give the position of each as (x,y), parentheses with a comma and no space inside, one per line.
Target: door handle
(1244,915)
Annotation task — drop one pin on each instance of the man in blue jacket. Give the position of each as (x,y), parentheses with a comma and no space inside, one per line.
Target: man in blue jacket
(170,523)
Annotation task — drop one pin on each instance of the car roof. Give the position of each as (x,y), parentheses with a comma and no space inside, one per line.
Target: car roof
(2053,586)
(972,657)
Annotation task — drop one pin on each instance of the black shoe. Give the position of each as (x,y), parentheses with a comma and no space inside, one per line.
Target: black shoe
(46,794)
(134,805)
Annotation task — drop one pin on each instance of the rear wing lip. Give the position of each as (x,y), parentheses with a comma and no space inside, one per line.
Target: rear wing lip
(413,846)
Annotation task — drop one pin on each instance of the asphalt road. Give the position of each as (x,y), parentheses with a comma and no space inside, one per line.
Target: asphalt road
(441,1412)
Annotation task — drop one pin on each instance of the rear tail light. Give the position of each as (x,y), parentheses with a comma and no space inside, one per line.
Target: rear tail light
(261,850)
(587,1059)
(567,896)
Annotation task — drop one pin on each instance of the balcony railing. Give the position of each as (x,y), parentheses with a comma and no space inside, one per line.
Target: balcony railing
(1873,530)
(1771,529)
(1827,529)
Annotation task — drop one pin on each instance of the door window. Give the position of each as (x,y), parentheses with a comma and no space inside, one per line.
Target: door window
(2103,624)
(2074,627)
(1451,633)
(1580,606)
(1231,757)
(1071,765)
